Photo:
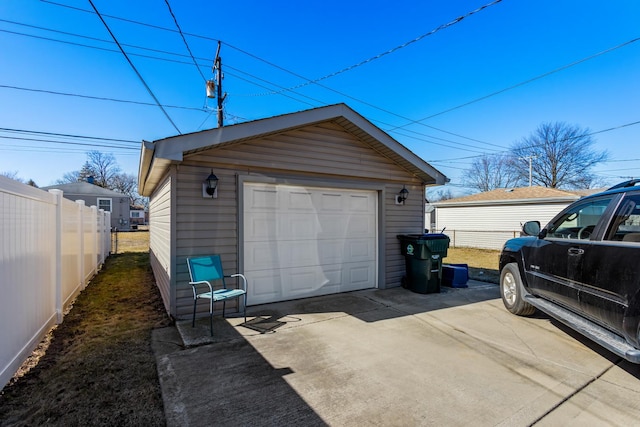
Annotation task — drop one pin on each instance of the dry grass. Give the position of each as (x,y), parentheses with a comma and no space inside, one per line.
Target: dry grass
(478,258)
(130,241)
(483,263)
(85,376)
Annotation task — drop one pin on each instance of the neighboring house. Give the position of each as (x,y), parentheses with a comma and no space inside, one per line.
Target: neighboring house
(93,195)
(306,204)
(138,215)
(487,220)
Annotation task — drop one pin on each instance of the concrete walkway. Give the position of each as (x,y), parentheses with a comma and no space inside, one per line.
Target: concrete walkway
(391,358)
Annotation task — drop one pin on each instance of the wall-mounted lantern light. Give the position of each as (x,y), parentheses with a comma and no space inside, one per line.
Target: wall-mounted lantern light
(402,196)
(210,186)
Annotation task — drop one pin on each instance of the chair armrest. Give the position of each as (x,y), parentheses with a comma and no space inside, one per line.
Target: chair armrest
(194,287)
(244,280)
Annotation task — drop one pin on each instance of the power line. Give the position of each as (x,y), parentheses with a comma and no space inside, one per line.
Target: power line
(289,71)
(548,73)
(542,145)
(390,51)
(70,143)
(184,40)
(82,36)
(66,135)
(134,68)
(98,98)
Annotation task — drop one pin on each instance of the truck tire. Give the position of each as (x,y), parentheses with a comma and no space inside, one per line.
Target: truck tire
(512,291)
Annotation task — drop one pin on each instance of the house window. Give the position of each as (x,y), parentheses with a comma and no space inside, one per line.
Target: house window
(104,204)
(135,214)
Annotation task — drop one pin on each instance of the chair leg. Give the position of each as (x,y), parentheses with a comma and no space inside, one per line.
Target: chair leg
(211,315)
(211,322)
(193,323)
(224,304)
(245,308)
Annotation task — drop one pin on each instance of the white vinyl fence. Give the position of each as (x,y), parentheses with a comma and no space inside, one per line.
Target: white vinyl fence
(50,247)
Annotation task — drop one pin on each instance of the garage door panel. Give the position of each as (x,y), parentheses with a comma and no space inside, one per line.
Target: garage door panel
(297,226)
(361,226)
(297,201)
(261,255)
(314,241)
(260,227)
(361,203)
(331,203)
(357,276)
(360,250)
(264,286)
(300,253)
(262,198)
(330,251)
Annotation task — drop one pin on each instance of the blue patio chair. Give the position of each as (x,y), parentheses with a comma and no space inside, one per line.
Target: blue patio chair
(206,270)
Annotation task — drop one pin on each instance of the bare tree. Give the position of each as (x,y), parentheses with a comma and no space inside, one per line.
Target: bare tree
(490,172)
(128,184)
(11,175)
(103,166)
(561,156)
(69,177)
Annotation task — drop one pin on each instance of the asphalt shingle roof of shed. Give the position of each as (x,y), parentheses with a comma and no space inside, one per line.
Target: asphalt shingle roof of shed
(517,195)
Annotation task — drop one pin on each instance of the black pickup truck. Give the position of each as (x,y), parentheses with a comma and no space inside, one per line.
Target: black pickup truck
(582,269)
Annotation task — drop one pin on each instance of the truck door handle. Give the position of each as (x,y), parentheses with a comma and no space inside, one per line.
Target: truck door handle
(576,251)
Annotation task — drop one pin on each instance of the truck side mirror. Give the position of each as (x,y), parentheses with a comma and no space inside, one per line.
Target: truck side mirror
(531,228)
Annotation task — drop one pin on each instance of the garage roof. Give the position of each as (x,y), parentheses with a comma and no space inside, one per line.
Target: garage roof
(518,195)
(156,156)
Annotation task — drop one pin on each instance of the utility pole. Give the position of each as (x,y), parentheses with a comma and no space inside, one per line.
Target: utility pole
(531,157)
(217,69)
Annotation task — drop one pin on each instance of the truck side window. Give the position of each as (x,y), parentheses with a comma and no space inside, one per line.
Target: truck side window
(580,221)
(625,225)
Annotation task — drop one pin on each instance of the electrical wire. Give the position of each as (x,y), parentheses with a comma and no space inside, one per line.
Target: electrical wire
(395,49)
(134,68)
(65,135)
(184,40)
(93,144)
(98,98)
(542,145)
(548,73)
(411,121)
(286,70)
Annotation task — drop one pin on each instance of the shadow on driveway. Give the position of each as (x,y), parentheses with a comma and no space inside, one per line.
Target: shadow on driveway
(224,380)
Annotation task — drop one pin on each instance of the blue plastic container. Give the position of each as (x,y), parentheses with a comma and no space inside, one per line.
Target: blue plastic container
(455,275)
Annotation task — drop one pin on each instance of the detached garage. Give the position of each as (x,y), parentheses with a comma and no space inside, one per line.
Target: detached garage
(305,204)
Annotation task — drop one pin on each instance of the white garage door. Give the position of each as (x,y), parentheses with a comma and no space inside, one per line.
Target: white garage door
(308,241)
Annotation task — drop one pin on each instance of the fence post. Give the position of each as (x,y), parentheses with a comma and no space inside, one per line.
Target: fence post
(57,270)
(94,239)
(80,222)
(107,232)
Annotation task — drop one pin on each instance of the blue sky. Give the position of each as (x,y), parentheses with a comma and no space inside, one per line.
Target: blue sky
(271,50)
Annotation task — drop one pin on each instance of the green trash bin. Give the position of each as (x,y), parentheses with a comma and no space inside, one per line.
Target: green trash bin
(423,255)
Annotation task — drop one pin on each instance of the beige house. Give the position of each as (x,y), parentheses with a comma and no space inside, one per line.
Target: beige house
(306,204)
(488,219)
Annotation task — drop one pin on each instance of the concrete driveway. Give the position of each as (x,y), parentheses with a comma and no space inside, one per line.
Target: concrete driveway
(392,357)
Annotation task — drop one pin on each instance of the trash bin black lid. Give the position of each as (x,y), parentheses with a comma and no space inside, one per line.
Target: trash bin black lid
(425,236)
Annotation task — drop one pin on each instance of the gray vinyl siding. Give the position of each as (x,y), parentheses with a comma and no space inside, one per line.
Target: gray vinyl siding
(325,154)
(160,240)
(489,226)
